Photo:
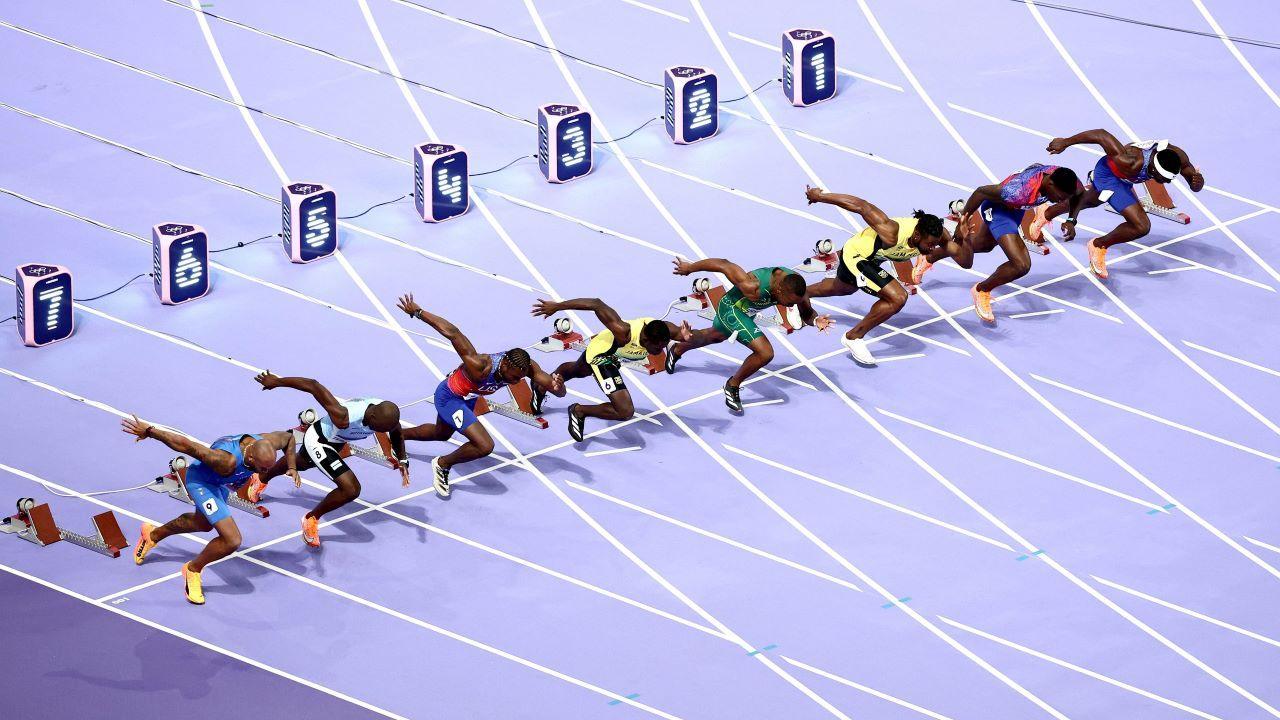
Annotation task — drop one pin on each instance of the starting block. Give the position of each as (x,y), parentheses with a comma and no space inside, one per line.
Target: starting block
(173,484)
(705,297)
(520,408)
(824,258)
(1157,202)
(381,455)
(564,338)
(35,524)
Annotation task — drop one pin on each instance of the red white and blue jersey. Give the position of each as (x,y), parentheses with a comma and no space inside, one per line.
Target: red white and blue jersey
(462,385)
(1022,190)
(1143,175)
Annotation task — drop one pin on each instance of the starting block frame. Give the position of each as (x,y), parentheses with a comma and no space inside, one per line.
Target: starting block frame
(520,408)
(173,484)
(571,340)
(36,525)
(1157,202)
(703,302)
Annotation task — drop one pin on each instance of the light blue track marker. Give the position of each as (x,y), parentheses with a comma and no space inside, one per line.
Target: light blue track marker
(888,605)
(632,696)
(766,647)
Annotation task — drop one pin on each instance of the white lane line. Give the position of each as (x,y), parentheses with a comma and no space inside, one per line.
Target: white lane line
(949,263)
(764,371)
(809,364)
(882,161)
(1232,358)
(585,223)
(758,403)
(1024,461)
(892,358)
(612,451)
(745,195)
(202,643)
(1188,611)
(1156,418)
(1173,270)
(1037,313)
(869,498)
(1076,668)
(714,536)
(1261,544)
(658,10)
(777,48)
(1095,151)
(367,603)
(914,336)
(870,691)
(541,279)
(1133,137)
(1231,47)
(1051,561)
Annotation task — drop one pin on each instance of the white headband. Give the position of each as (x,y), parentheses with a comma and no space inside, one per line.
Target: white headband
(1164,173)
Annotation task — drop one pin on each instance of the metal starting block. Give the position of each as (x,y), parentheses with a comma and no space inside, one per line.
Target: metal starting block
(824,258)
(567,339)
(35,524)
(173,484)
(1157,202)
(520,408)
(706,296)
(381,455)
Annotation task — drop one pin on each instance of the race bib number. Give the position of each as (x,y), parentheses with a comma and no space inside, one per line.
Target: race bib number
(457,419)
(608,385)
(210,506)
(986,214)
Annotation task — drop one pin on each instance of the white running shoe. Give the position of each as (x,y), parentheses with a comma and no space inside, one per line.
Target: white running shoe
(858,349)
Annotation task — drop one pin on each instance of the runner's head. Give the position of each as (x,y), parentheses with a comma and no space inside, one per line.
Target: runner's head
(515,366)
(928,231)
(1062,184)
(789,290)
(259,456)
(1165,165)
(654,336)
(383,417)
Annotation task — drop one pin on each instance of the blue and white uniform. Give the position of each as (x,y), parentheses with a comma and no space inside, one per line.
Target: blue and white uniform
(323,441)
(208,489)
(1106,176)
(456,395)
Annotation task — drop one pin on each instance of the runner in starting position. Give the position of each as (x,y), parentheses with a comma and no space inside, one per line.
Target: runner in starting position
(215,470)
(620,340)
(455,398)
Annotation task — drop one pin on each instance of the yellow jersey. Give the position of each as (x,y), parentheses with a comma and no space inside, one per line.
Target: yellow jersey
(866,245)
(605,348)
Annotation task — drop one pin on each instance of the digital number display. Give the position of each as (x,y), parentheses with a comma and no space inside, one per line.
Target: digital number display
(188,263)
(316,214)
(564,142)
(44,304)
(818,68)
(575,136)
(449,192)
(700,112)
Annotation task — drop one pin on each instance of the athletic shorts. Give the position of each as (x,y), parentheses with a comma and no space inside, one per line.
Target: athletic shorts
(868,275)
(1001,219)
(1102,180)
(324,453)
(210,499)
(607,372)
(459,412)
(731,319)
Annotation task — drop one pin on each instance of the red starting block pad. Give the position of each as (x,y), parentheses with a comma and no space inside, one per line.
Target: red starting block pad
(173,484)
(704,303)
(35,524)
(570,340)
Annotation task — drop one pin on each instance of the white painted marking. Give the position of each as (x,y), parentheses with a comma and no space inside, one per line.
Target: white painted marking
(715,536)
(1037,313)
(746,196)
(1188,611)
(1232,358)
(1133,137)
(1083,671)
(883,161)
(1261,544)
(870,691)
(658,10)
(612,451)
(758,403)
(892,358)
(874,339)
(1022,460)
(1157,418)
(585,223)
(1231,47)
(1173,270)
(869,498)
(777,48)
(202,643)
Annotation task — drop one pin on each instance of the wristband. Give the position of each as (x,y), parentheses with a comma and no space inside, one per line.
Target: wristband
(418,313)
(1070,220)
